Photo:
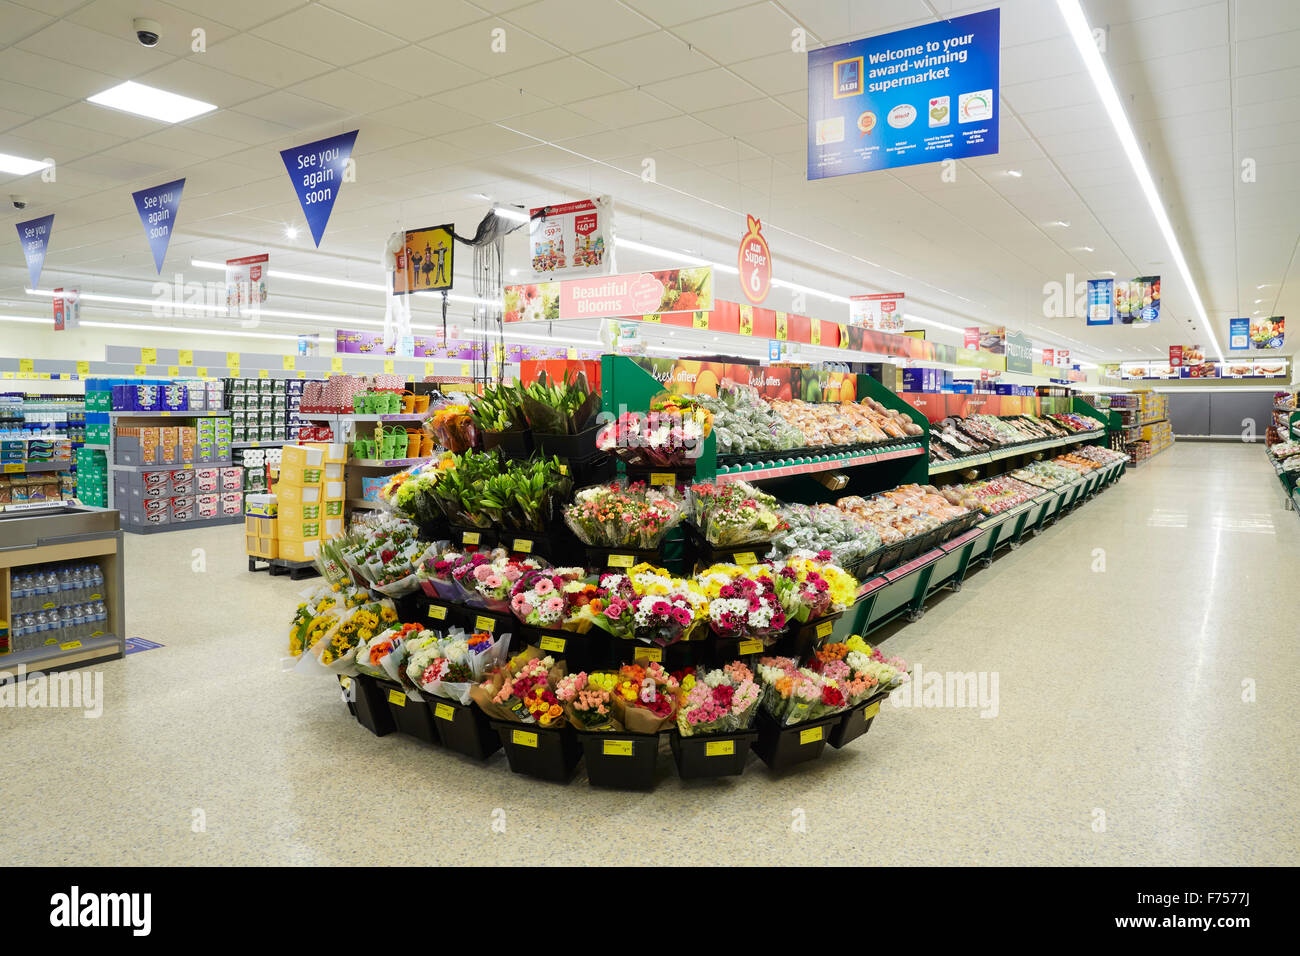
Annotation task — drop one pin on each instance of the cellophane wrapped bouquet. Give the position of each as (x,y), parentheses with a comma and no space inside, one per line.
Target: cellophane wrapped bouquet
(434,573)
(370,655)
(619,515)
(409,493)
(734,514)
(811,587)
(871,672)
(553,598)
(462,568)
(449,666)
(587,700)
(385,550)
(319,611)
(522,690)
(490,585)
(794,694)
(649,605)
(743,601)
(721,701)
(645,698)
(336,649)
(670,434)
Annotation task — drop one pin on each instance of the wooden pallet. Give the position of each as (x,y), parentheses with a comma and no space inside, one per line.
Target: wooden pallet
(295,569)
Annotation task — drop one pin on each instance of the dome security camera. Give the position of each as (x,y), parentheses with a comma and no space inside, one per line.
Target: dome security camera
(147,31)
(18,201)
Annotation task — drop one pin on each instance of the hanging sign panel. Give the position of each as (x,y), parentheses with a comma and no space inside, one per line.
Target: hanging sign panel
(1137,302)
(316,171)
(1238,335)
(643,293)
(920,95)
(754,260)
(1268,333)
(1101,301)
(34,235)
(246,281)
(426,262)
(881,312)
(573,239)
(157,208)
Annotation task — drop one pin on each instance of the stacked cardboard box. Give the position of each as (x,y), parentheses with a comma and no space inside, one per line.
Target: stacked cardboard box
(309,499)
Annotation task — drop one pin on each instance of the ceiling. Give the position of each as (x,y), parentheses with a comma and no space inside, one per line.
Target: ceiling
(710,90)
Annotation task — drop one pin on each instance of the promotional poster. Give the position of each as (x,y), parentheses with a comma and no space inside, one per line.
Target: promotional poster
(572,240)
(426,262)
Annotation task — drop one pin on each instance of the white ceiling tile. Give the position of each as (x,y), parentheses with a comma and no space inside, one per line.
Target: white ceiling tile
(412,19)
(192,78)
(176,38)
(625,108)
(67,42)
(287,109)
(328,35)
(785,72)
(351,92)
(650,58)
(750,117)
(578,25)
(702,91)
(480,46)
(257,59)
(840,22)
(240,14)
(759,29)
(492,100)
(670,13)
(418,70)
(29,69)
(563,81)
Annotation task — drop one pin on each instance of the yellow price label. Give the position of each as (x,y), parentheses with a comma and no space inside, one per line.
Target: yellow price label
(302,374)
(465,369)
(232,360)
(397,698)
(336,364)
(345,682)
(746,557)
(263,373)
(700,320)
(750,646)
(149,356)
(70,646)
(437,612)
(470,537)
(871,711)
(444,712)
(523,738)
(782,326)
(816,329)
(719,748)
(201,372)
(428,368)
(288,363)
(552,644)
(620,561)
(663,478)
(617,748)
(25,365)
(173,370)
(165,414)
(746,320)
(485,623)
(523,546)
(573,352)
(810,736)
(185,356)
(651,318)
(14,468)
(139,370)
(7,375)
(388,365)
(824,628)
(649,654)
(43,375)
(83,368)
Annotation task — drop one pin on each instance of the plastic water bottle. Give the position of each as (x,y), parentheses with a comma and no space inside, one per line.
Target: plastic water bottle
(79,628)
(100,617)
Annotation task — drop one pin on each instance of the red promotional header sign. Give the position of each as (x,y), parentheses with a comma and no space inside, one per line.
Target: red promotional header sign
(1175,356)
(754,260)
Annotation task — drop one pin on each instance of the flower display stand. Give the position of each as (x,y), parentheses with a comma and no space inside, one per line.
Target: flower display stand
(621,761)
(782,747)
(711,755)
(371,706)
(544,753)
(464,729)
(856,722)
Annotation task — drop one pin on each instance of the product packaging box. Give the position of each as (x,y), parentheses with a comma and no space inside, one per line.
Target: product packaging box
(155,484)
(922,379)
(263,505)
(232,503)
(298,550)
(182,482)
(232,478)
(298,494)
(299,513)
(183,508)
(207,480)
(207,506)
(297,530)
(332,508)
(336,452)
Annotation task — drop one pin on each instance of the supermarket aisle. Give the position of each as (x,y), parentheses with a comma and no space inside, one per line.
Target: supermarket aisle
(1113,652)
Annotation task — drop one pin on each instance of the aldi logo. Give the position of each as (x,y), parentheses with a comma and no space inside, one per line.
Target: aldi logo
(848,77)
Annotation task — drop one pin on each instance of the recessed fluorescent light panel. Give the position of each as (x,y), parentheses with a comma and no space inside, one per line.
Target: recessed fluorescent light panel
(18,166)
(132,97)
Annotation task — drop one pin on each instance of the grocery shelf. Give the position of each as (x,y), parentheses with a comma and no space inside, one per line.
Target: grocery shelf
(269,443)
(201,413)
(79,651)
(984,458)
(352,417)
(183,525)
(172,465)
(32,467)
(807,468)
(1152,421)
(363,505)
(385,463)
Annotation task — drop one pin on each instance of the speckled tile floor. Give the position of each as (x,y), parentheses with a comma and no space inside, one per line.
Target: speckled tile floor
(1121,735)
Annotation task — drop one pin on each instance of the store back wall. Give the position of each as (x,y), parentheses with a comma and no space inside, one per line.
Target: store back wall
(1223,414)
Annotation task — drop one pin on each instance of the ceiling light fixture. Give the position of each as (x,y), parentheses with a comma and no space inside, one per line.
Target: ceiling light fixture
(1077,23)
(511,213)
(291,232)
(1014,173)
(1063,223)
(151,102)
(18,166)
(1087,249)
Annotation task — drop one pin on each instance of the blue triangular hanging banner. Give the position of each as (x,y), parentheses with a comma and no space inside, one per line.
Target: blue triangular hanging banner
(34,234)
(158,207)
(316,171)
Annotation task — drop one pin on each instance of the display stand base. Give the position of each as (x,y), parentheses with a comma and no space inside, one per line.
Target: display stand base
(295,569)
(464,729)
(545,754)
(371,707)
(856,722)
(782,747)
(411,717)
(621,761)
(711,755)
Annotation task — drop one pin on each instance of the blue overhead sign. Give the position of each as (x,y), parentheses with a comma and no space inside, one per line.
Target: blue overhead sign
(317,171)
(920,95)
(34,234)
(158,207)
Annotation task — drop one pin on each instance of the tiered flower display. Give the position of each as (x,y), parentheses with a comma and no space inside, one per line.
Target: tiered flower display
(587,699)
(718,701)
(672,433)
(812,587)
(624,516)
(794,694)
(553,598)
(648,604)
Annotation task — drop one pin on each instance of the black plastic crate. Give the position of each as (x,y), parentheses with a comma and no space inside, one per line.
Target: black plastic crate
(512,444)
(348,693)
(622,761)
(711,755)
(802,638)
(543,753)
(592,470)
(464,728)
(410,716)
(856,722)
(890,556)
(705,554)
(622,652)
(371,707)
(782,747)
(620,559)
(580,652)
(480,619)
(568,447)
(464,536)
(652,475)
(719,651)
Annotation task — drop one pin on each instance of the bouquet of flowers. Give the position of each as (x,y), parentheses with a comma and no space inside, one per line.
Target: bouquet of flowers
(371,653)
(672,433)
(552,597)
(464,565)
(587,700)
(337,648)
(743,602)
(489,585)
(384,550)
(733,514)
(410,493)
(793,694)
(812,587)
(449,666)
(870,671)
(624,516)
(319,612)
(644,699)
(434,574)
(718,701)
(522,690)
(648,604)
(454,427)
